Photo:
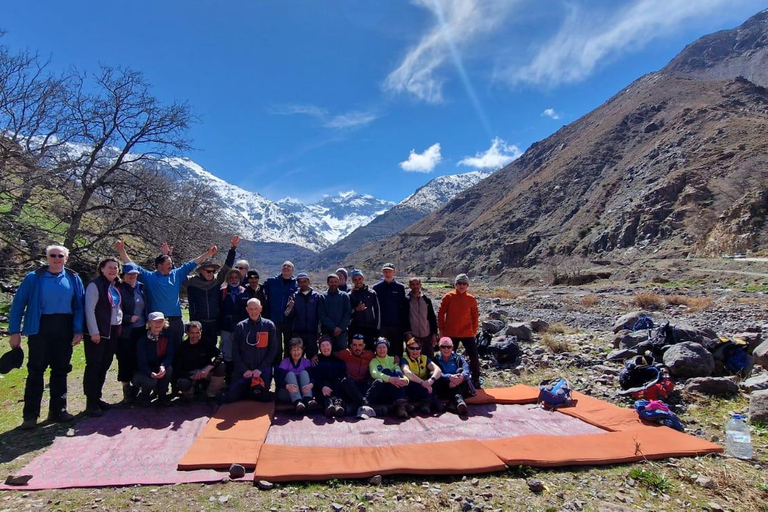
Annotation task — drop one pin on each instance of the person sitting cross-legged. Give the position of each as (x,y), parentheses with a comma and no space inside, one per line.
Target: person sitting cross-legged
(198,365)
(327,375)
(456,382)
(388,387)
(422,373)
(154,359)
(292,380)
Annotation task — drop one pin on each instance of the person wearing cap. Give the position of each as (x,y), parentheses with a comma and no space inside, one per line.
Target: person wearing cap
(391,295)
(134,304)
(304,317)
(366,314)
(355,385)
(455,384)
(198,365)
(343,275)
(232,310)
(163,285)
(279,290)
(458,318)
(421,321)
(327,375)
(252,287)
(334,312)
(389,382)
(50,302)
(204,293)
(103,318)
(154,361)
(422,373)
(254,346)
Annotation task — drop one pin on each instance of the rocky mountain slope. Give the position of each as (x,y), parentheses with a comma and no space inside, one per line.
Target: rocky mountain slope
(674,164)
(413,208)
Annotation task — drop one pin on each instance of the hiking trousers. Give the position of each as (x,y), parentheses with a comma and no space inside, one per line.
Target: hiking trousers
(51,346)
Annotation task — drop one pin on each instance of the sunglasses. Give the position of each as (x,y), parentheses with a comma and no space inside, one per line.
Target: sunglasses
(446,346)
(56,256)
(415,349)
(207,271)
(241,268)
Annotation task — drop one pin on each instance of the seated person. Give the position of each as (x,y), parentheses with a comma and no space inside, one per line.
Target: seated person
(154,359)
(355,385)
(198,365)
(292,380)
(327,375)
(254,346)
(456,382)
(422,373)
(389,383)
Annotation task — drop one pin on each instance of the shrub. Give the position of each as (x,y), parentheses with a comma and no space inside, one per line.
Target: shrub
(561,328)
(693,303)
(590,300)
(649,300)
(555,345)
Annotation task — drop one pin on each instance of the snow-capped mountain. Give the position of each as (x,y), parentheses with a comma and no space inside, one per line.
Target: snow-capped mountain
(440,190)
(334,217)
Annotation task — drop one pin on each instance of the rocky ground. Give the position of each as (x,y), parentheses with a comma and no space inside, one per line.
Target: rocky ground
(577,345)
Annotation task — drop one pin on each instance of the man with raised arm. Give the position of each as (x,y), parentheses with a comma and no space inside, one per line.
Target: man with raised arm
(164,284)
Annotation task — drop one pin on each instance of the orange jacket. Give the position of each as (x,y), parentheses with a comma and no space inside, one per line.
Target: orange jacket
(458,316)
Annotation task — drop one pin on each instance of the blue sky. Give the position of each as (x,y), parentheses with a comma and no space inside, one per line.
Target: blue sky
(305,98)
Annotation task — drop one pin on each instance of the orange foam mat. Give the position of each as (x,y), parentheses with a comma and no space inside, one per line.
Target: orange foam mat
(519,394)
(288,463)
(235,433)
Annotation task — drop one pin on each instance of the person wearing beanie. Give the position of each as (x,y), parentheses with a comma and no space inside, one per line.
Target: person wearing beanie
(366,315)
(252,287)
(458,319)
(342,275)
(327,375)
(389,384)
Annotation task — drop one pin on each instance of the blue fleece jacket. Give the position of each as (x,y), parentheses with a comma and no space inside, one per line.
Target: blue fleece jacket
(27,302)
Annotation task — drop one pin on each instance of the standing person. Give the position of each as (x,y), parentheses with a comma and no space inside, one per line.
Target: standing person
(458,319)
(455,383)
(103,317)
(244,267)
(366,315)
(421,321)
(231,312)
(342,274)
(254,346)
(154,361)
(204,293)
(304,315)
(50,301)
(252,287)
(279,290)
(391,296)
(334,312)
(164,284)
(134,304)
(198,365)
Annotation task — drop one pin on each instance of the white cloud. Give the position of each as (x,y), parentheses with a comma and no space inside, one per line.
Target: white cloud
(498,155)
(424,162)
(458,23)
(550,112)
(588,40)
(352,119)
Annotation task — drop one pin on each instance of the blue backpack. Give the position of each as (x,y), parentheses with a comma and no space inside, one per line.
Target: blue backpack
(554,394)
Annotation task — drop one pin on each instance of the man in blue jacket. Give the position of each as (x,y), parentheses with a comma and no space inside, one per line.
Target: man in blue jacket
(304,315)
(279,292)
(50,300)
(334,314)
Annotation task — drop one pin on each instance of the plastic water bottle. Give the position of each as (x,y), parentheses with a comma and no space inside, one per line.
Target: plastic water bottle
(738,442)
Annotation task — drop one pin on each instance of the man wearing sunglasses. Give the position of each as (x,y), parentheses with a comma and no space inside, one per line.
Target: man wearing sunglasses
(50,300)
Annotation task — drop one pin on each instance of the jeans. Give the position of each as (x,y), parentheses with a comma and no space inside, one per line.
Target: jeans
(98,359)
(470,347)
(283,395)
(51,346)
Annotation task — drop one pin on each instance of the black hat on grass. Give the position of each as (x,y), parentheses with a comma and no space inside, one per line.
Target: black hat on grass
(11,360)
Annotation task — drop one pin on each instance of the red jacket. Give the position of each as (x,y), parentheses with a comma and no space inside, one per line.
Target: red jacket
(458,316)
(357,367)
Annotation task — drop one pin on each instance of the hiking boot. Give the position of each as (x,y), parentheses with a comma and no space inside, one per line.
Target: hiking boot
(381,410)
(409,407)
(401,411)
(60,417)
(104,406)
(129,393)
(461,406)
(330,410)
(424,408)
(339,411)
(30,424)
(312,404)
(437,405)
(299,408)
(93,410)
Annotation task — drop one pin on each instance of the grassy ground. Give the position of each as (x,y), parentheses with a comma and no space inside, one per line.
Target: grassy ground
(704,483)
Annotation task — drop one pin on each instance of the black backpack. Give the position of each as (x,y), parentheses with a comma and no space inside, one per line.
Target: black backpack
(506,352)
(483,341)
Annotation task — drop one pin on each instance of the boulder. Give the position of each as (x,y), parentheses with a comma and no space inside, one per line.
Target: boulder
(721,386)
(757,383)
(628,339)
(689,359)
(539,325)
(620,354)
(629,318)
(493,326)
(758,407)
(521,330)
(753,338)
(761,354)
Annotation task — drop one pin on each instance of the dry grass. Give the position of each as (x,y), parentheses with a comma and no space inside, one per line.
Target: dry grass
(500,292)
(561,328)
(693,303)
(590,300)
(554,344)
(649,300)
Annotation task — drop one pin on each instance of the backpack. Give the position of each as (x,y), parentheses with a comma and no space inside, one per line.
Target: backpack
(644,322)
(506,352)
(554,394)
(657,411)
(732,352)
(483,342)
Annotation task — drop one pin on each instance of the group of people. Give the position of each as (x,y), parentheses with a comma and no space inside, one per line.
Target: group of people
(341,350)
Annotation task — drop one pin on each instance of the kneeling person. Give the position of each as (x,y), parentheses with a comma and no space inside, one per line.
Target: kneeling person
(198,365)
(388,387)
(422,374)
